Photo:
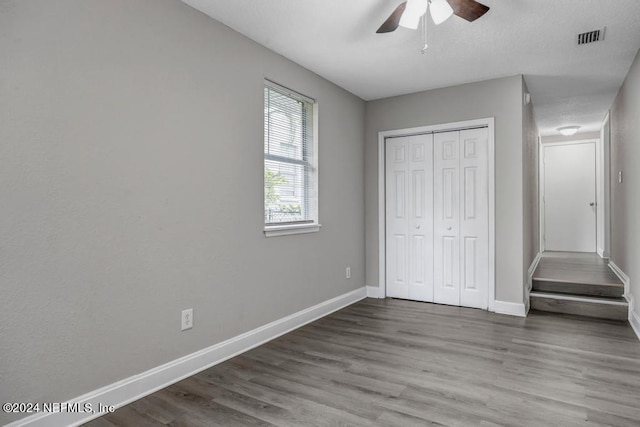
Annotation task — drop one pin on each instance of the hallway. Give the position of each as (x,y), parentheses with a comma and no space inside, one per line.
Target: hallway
(575,266)
(578,283)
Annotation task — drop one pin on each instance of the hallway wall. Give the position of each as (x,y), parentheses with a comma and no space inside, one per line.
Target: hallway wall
(625,196)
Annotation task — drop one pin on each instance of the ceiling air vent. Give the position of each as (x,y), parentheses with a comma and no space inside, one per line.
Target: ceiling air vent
(591,36)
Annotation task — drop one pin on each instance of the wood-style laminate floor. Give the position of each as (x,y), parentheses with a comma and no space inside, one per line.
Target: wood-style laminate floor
(402,363)
(575,267)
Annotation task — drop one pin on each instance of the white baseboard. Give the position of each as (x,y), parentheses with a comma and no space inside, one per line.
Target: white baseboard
(634,319)
(128,390)
(373,292)
(510,308)
(623,277)
(527,290)
(534,264)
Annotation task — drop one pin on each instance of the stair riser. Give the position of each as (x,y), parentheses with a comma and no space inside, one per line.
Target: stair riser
(578,289)
(580,308)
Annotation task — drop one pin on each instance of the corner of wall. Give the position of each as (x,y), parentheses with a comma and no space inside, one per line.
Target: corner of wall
(374,292)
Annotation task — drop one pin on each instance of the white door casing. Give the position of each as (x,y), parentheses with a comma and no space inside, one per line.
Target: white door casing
(603,189)
(569,196)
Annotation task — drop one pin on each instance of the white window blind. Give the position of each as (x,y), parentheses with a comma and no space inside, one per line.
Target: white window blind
(289,159)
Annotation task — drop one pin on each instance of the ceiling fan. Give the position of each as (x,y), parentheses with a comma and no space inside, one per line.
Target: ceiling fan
(408,13)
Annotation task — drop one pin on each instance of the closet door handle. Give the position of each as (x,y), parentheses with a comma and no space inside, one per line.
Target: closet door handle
(448,228)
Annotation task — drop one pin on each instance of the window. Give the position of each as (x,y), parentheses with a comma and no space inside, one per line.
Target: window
(290,171)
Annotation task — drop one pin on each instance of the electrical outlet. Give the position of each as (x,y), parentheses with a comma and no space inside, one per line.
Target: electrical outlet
(348,273)
(187,319)
(620,177)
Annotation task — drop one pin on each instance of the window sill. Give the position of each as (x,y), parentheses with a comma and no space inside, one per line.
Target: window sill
(285,230)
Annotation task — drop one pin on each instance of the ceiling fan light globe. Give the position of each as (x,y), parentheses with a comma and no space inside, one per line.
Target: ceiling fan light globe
(412,13)
(441,10)
(409,22)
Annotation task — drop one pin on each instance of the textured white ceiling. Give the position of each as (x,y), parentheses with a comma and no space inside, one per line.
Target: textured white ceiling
(569,84)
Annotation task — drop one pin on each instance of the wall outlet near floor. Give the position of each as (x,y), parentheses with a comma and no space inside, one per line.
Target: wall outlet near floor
(348,273)
(187,319)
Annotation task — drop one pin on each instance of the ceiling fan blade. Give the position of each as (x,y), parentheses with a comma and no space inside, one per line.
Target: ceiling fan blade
(468,9)
(393,21)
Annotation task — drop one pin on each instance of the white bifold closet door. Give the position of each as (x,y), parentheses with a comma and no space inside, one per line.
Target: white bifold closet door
(437,218)
(461,218)
(409,213)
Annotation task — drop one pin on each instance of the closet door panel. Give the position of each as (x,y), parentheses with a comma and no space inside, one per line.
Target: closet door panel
(397,217)
(474,218)
(446,209)
(421,218)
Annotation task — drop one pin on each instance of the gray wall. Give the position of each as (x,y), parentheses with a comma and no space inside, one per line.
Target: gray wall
(131,162)
(625,196)
(530,183)
(499,98)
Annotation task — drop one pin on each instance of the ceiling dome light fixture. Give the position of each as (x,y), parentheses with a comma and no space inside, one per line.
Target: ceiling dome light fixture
(568,130)
(441,10)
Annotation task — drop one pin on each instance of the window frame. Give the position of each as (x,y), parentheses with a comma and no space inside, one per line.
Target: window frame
(298,227)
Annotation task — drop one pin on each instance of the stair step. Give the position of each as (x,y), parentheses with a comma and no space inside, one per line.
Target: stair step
(598,307)
(614,290)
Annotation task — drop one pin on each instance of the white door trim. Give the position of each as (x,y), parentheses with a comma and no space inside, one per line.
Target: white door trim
(604,184)
(489,123)
(541,183)
(540,197)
